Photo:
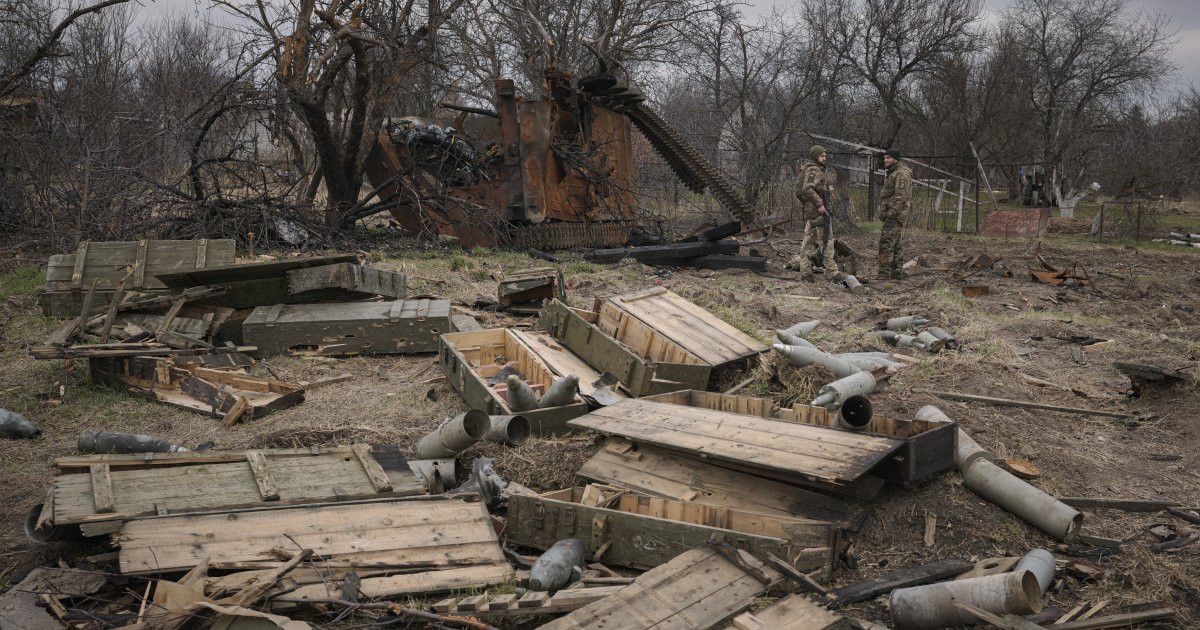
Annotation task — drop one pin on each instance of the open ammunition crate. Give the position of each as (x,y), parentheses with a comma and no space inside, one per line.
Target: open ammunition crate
(469,359)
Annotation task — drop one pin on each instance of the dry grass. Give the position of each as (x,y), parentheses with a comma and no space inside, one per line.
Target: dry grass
(1144,311)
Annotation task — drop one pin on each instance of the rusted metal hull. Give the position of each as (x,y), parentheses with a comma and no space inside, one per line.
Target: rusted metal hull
(544,173)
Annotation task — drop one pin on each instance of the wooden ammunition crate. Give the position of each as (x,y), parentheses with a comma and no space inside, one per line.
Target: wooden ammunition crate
(638,532)
(525,290)
(661,366)
(348,328)
(69,276)
(258,284)
(190,384)
(928,446)
(469,359)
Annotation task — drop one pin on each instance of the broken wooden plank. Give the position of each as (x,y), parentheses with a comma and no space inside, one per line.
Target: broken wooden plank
(349,277)
(663,254)
(904,578)
(328,380)
(102,489)
(794,612)
(696,590)
(114,304)
(1005,402)
(127,350)
(1117,621)
(262,476)
(443,533)
(374,471)
(1129,505)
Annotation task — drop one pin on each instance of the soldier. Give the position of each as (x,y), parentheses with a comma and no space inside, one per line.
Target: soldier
(895,201)
(814,192)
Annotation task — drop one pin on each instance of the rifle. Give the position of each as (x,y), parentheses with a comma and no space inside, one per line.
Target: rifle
(828,223)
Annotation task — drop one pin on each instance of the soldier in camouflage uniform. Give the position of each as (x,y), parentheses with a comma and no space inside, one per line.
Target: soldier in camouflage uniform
(895,201)
(814,190)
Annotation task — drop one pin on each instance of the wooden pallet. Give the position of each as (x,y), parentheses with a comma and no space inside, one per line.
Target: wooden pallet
(406,535)
(531,603)
(118,487)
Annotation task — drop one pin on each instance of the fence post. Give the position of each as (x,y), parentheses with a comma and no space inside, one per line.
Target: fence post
(977,226)
(1100,233)
(1137,234)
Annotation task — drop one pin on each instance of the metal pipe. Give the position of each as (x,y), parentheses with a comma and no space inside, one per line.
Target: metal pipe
(114,442)
(803,328)
(930,343)
(555,568)
(454,435)
(802,356)
(519,395)
(908,322)
(562,392)
(510,430)
(1040,563)
(837,393)
(789,339)
(932,606)
(1023,500)
(437,475)
(14,425)
(855,413)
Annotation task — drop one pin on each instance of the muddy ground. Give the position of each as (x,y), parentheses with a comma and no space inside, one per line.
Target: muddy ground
(1142,299)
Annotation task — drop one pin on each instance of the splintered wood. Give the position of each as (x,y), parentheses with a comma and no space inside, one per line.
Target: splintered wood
(784,450)
(794,612)
(403,534)
(696,590)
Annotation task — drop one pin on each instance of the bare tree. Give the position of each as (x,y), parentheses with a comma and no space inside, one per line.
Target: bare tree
(1081,60)
(34,35)
(340,68)
(887,44)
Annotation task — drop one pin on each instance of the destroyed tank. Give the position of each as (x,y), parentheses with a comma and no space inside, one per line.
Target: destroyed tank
(551,174)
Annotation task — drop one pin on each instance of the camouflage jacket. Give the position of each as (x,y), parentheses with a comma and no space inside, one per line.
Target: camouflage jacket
(896,198)
(814,185)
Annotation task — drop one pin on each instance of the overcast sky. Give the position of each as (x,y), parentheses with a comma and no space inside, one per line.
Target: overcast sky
(1184,14)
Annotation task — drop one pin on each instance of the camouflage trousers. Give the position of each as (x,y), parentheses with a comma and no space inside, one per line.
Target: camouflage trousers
(891,256)
(814,235)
